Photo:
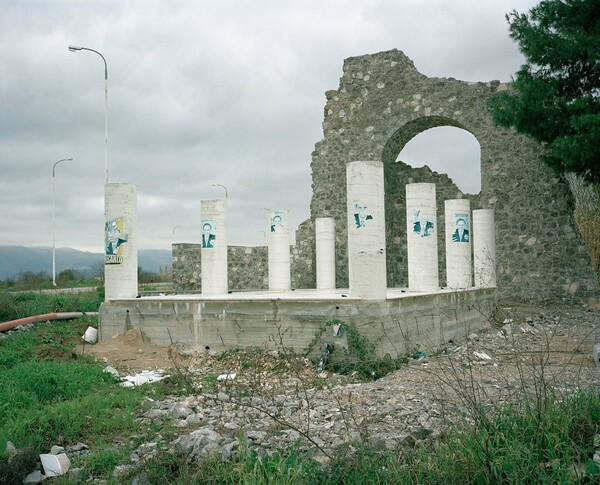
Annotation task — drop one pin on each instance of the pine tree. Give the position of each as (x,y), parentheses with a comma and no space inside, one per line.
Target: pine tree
(555,96)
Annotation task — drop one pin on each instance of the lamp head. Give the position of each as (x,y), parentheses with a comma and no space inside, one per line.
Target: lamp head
(74,48)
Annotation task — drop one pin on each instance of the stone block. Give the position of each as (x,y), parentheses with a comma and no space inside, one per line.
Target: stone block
(55,465)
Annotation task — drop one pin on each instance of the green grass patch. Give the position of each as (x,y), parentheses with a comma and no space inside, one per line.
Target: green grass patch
(48,395)
(21,305)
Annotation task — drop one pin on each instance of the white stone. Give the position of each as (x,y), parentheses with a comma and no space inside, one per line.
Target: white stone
(33,478)
(111,370)
(55,465)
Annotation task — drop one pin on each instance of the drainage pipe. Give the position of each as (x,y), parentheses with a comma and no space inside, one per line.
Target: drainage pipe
(42,318)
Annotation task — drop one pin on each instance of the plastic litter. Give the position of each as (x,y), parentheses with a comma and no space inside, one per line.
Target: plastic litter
(144,377)
(90,336)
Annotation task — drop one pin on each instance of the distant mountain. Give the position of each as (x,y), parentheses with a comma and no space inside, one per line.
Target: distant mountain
(18,259)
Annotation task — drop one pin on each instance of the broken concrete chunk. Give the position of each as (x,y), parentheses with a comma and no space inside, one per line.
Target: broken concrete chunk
(111,370)
(33,478)
(11,450)
(507,330)
(55,465)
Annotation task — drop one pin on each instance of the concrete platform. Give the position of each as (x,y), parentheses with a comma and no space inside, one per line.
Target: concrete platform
(296,318)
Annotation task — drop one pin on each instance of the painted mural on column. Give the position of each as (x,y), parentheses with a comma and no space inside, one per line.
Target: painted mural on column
(114,239)
(209,233)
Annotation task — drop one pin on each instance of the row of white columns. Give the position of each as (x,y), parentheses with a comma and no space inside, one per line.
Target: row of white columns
(366,237)
(214,248)
(366,241)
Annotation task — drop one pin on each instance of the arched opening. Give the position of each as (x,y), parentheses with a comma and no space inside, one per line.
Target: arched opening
(431,149)
(449,150)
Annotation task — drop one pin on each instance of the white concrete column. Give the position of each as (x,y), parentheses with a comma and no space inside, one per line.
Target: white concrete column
(325,249)
(366,230)
(458,243)
(279,250)
(120,241)
(421,235)
(484,248)
(214,246)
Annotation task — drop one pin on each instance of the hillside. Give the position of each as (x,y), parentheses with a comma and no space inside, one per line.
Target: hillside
(19,259)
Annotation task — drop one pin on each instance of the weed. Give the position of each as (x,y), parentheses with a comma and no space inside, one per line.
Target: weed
(358,358)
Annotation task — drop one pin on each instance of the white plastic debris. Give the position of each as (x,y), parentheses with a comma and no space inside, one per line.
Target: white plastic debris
(55,465)
(144,377)
(90,336)
(227,377)
(482,355)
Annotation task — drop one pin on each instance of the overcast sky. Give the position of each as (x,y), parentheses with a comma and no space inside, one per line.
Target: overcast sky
(205,92)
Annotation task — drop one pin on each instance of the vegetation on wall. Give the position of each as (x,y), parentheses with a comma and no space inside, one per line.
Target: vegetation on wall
(587,215)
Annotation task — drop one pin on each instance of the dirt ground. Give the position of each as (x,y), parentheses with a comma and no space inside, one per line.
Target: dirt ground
(129,352)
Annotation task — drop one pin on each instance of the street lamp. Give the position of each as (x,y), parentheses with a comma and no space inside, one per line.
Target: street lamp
(74,48)
(219,185)
(53,230)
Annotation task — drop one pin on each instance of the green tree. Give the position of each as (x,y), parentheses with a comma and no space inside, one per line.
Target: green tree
(555,96)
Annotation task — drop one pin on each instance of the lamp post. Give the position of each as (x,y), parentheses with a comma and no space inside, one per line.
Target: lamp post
(74,48)
(219,185)
(53,226)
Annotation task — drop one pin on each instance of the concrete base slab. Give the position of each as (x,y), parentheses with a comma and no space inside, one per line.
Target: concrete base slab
(294,319)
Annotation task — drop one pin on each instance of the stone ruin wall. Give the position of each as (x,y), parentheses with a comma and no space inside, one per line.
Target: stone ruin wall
(383,102)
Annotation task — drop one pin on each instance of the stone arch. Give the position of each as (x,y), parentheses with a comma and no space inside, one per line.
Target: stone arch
(381,103)
(450,150)
(408,131)
(397,175)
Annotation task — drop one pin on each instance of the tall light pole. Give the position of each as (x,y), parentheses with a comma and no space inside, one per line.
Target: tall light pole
(219,185)
(53,229)
(74,48)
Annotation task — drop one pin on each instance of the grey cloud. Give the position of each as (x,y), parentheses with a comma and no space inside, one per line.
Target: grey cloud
(218,91)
